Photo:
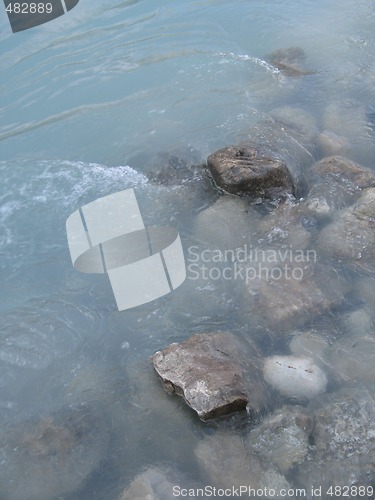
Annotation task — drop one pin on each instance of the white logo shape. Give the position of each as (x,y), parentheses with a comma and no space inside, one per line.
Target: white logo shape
(109,236)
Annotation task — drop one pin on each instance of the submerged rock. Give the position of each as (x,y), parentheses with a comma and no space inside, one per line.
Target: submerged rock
(295,377)
(344,439)
(289,60)
(296,119)
(351,236)
(283,437)
(348,118)
(285,225)
(340,169)
(311,344)
(172,167)
(319,206)
(153,484)
(251,170)
(227,463)
(213,373)
(52,456)
(226,224)
(352,358)
(288,293)
(331,144)
(339,181)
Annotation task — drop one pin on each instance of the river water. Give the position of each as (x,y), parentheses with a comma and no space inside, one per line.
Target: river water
(90,103)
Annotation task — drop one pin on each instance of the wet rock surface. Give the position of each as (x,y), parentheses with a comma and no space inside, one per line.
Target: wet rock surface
(252,171)
(54,455)
(214,374)
(283,437)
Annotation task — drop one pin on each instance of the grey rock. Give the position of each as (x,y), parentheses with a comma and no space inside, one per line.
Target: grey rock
(290,135)
(338,168)
(289,60)
(348,118)
(365,290)
(296,119)
(364,209)
(344,438)
(351,237)
(152,484)
(339,181)
(310,344)
(171,167)
(331,144)
(319,206)
(358,322)
(295,377)
(285,226)
(251,170)
(352,358)
(51,456)
(225,224)
(227,463)
(283,437)
(213,373)
(293,295)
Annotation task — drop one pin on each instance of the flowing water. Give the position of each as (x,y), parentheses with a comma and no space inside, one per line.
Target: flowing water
(90,103)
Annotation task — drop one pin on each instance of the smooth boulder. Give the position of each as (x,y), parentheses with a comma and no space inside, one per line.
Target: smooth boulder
(295,377)
(251,170)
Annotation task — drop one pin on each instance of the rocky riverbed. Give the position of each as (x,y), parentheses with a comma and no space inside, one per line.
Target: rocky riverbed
(295,245)
(258,370)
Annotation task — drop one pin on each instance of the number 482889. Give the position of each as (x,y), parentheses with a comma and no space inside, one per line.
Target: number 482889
(29,8)
(350,491)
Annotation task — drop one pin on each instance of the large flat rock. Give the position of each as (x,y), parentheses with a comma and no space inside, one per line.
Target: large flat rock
(213,373)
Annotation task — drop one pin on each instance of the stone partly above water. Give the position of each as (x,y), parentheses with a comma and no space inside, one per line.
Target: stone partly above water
(214,373)
(251,170)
